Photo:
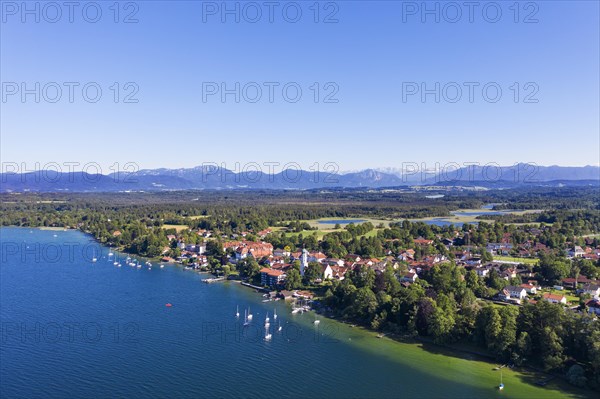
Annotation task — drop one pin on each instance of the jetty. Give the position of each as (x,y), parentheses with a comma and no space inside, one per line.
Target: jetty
(256,287)
(213,280)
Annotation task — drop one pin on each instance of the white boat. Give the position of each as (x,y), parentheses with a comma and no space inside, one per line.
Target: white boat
(501,386)
(267,320)
(316,321)
(118,265)
(161,266)
(115,263)
(139,265)
(94,260)
(268,336)
(110,254)
(279,328)
(249,315)
(275,314)
(237,311)
(246,322)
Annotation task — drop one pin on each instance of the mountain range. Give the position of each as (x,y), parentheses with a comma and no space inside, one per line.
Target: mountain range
(215,178)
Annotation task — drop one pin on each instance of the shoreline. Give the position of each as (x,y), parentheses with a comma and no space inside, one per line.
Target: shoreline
(399,340)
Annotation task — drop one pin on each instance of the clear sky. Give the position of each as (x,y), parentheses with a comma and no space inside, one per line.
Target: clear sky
(371,61)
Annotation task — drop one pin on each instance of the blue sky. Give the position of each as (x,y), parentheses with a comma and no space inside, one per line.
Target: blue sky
(371,57)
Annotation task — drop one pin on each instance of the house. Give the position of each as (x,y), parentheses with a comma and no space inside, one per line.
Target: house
(511,291)
(422,241)
(409,277)
(483,271)
(529,288)
(199,249)
(338,272)
(576,252)
(593,306)
(316,257)
(271,277)
(327,271)
(281,252)
(333,262)
(499,248)
(407,255)
(592,289)
(555,298)
(572,282)
(117,233)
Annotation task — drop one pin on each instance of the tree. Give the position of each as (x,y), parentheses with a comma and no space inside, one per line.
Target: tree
(293,280)
(312,273)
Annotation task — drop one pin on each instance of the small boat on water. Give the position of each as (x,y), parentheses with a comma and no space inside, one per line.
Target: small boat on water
(168,305)
(94,260)
(246,322)
(110,254)
(279,328)
(501,386)
(268,335)
(237,311)
(162,266)
(267,318)
(249,315)
(275,314)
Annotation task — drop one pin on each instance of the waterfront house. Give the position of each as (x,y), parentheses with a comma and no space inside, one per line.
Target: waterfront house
(271,277)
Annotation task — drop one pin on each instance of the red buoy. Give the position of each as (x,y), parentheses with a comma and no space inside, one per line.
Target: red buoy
(168,305)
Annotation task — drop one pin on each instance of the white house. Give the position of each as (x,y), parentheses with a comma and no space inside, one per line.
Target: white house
(592,289)
(512,292)
(555,298)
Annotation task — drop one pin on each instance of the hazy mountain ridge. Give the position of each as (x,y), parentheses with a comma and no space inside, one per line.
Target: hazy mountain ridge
(211,177)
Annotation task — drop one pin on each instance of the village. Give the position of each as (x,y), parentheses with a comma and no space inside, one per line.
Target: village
(516,280)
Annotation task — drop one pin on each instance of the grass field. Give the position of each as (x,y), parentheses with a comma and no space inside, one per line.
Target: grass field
(178,227)
(526,261)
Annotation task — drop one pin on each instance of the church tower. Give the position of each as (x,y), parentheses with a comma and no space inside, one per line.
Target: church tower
(303,261)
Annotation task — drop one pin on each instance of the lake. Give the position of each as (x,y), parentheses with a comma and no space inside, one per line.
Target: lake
(72,327)
(340,221)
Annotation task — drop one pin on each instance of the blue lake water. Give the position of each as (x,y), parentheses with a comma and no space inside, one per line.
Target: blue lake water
(341,221)
(76,328)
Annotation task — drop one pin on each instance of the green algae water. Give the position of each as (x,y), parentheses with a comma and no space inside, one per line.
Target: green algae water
(73,326)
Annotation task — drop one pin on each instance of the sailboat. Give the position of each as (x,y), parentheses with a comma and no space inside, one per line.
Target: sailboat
(237,311)
(275,314)
(317,321)
(110,254)
(501,386)
(249,315)
(94,260)
(279,328)
(246,322)
(267,320)
(268,335)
